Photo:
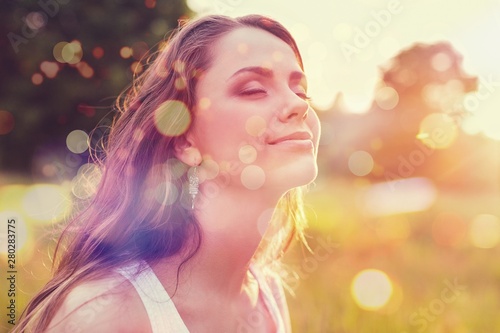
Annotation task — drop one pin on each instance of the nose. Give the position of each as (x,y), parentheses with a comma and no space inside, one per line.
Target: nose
(295,108)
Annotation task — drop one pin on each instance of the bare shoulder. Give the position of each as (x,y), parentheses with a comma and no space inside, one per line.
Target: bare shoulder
(105,305)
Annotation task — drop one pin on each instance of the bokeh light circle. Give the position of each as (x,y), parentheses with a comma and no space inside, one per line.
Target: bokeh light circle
(72,52)
(166,193)
(57,51)
(360,163)
(484,231)
(172,118)
(209,169)
(371,289)
(255,125)
(438,131)
(387,98)
(253,177)
(47,202)
(247,154)
(77,141)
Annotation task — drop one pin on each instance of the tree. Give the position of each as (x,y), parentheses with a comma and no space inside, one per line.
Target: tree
(63,64)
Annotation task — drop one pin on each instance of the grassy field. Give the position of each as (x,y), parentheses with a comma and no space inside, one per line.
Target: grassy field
(440,281)
(439,284)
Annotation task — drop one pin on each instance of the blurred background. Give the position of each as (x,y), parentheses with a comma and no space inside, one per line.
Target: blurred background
(405,215)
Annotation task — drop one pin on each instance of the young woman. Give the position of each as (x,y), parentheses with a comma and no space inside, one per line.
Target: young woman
(200,192)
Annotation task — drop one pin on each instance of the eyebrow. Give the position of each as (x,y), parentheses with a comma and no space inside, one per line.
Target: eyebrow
(268,73)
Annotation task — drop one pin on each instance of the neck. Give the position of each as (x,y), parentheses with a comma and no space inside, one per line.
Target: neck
(232,222)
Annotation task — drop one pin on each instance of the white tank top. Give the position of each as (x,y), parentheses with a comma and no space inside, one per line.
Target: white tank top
(165,318)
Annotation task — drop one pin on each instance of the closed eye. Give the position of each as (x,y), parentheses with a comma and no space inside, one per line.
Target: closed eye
(253,92)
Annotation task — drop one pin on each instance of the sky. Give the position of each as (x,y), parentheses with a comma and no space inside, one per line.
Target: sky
(345,43)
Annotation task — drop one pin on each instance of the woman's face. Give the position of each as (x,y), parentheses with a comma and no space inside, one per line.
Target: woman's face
(253,122)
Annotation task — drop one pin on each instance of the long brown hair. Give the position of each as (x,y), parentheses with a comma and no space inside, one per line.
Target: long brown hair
(125,221)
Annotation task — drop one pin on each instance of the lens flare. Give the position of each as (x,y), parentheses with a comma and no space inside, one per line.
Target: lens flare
(84,184)
(255,125)
(387,98)
(77,141)
(438,131)
(247,154)
(484,231)
(72,52)
(360,163)
(371,289)
(172,118)
(253,177)
(47,203)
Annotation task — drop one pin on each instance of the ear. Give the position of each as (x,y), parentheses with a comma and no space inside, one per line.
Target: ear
(186,151)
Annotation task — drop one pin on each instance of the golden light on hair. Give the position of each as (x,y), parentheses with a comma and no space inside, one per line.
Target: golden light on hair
(172,118)
(371,289)
(138,134)
(77,141)
(255,125)
(180,83)
(47,203)
(253,177)
(438,131)
(264,219)
(247,154)
(386,98)
(484,231)
(179,66)
(136,67)
(84,184)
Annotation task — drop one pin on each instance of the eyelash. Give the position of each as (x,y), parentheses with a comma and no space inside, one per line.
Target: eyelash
(249,92)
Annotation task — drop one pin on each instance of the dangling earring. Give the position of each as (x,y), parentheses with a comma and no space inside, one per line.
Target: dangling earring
(194,183)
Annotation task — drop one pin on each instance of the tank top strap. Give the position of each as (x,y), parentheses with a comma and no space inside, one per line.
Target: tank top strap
(161,310)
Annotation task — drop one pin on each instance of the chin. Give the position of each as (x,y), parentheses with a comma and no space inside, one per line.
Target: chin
(295,176)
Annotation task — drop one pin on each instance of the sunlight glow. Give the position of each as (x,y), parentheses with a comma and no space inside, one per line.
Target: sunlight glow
(399,196)
(371,289)
(47,203)
(484,231)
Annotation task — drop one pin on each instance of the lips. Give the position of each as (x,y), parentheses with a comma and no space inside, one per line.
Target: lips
(295,136)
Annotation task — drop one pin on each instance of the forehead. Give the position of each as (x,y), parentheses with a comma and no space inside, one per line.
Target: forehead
(249,46)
